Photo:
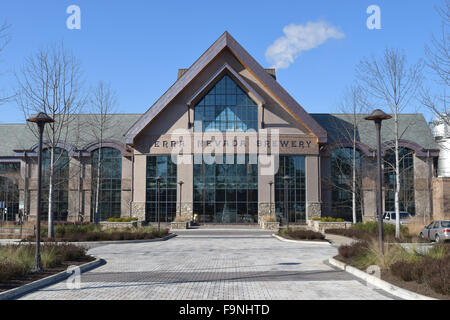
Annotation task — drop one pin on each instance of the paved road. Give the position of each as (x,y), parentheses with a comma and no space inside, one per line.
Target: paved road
(214,264)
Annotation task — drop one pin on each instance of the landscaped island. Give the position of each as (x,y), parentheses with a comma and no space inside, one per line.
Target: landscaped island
(86,232)
(299,233)
(406,263)
(16,262)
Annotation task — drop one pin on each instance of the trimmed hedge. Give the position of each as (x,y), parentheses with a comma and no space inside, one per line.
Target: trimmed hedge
(91,232)
(301,234)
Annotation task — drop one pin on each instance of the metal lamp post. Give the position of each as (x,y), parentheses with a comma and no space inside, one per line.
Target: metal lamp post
(40,119)
(270,197)
(378,116)
(181,189)
(158,181)
(286,198)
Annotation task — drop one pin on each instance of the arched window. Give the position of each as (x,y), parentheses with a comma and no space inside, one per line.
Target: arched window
(226,108)
(109,161)
(60,184)
(342,165)
(9,199)
(406,196)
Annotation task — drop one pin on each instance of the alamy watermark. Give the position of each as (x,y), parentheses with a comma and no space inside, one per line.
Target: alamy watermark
(374,20)
(73,22)
(74,280)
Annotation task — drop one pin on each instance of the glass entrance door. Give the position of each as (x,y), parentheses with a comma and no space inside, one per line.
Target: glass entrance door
(227,192)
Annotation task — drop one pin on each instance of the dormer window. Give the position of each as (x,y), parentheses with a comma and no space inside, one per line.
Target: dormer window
(226,107)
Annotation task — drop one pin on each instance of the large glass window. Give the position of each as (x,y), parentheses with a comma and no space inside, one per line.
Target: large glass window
(227,192)
(60,184)
(226,108)
(294,167)
(342,183)
(161,166)
(13,167)
(406,196)
(110,186)
(9,199)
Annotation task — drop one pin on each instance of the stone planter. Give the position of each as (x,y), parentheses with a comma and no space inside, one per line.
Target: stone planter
(180,225)
(119,225)
(273,226)
(320,226)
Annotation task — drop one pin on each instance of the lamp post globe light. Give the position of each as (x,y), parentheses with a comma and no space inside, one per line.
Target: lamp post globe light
(286,198)
(158,182)
(40,119)
(378,116)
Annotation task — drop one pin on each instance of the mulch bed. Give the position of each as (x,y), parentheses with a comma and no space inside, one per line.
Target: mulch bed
(31,277)
(413,286)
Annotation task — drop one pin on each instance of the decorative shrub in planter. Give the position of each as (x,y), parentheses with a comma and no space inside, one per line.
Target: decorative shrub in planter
(119,223)
(270,223)
(325,223)
(180,223)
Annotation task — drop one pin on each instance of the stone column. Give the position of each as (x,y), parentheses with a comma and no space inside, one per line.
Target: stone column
(139,188)
(32,187)
(368,172)
(327,202)
(313,204)
(75,169)
(264,194)
(125,197)
(421,199)
(185,172)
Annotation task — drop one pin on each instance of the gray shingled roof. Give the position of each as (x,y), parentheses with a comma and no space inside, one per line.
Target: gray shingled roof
(412,127)
(21,137)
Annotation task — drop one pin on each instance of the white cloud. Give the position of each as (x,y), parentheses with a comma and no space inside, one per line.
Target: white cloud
(299,38)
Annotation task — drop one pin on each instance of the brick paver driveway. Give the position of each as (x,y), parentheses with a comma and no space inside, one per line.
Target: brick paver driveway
(215,264)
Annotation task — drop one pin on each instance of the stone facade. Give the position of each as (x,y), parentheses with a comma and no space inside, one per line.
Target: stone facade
(138,210)
(264,209)
(157,133)
(187,210)
(313,210)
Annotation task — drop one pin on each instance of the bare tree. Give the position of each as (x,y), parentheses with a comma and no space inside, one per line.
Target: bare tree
(49,81)
(4,40)
(390,81)
(101,121)
(438,61)
(354,102)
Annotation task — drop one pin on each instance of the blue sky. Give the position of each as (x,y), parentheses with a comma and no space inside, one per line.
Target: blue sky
(138,46)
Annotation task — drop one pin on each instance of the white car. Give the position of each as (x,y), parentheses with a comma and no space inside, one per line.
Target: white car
(390,217)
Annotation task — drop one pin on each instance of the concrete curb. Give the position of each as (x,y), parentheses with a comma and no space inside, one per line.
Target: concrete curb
(377,282)
(87,243)
(301,241)
(42,283)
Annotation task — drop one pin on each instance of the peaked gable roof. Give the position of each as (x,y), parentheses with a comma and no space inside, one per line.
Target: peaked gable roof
(227,41)
(225,69)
